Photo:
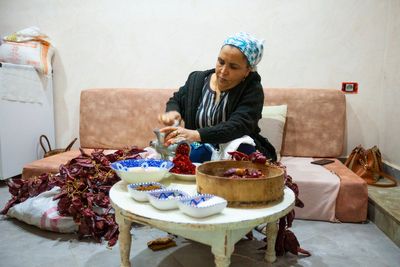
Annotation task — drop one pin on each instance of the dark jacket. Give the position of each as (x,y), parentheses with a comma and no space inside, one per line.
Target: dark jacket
(243,111)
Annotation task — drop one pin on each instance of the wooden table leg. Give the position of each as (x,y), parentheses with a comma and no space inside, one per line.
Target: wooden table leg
(222,261)
(124,238)
(272,232)
(222,247)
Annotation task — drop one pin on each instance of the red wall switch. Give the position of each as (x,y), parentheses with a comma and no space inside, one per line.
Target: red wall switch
(350,87)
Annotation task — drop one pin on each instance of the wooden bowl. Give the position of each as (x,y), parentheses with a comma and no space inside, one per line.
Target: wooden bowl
(240,192)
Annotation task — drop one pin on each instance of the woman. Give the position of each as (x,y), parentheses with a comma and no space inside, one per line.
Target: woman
(224,104)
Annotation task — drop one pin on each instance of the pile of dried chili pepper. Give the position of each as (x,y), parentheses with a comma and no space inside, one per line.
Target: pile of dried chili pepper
(183,149)
(85,182)
(182,162)
(286,240)
(235,173)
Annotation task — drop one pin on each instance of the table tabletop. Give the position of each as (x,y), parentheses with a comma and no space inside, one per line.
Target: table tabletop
(229,216)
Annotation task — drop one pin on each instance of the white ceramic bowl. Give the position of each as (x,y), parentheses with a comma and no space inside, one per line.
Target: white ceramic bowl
(142,195)
(202,205)
(187,177)
(166,199)
(142,170)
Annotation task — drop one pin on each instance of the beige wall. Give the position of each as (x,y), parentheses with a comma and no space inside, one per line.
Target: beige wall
(132,43)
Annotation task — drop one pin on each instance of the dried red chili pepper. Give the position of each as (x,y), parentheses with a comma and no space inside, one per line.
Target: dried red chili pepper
(182,162)
(258,157)
(236,155)
(242,173)
(85,182)
(255,157)
(22,189)
(183,165)
(183,149)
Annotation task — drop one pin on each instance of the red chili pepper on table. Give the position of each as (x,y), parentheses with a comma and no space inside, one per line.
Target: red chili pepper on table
(183,149)
(182,162)
(242,173)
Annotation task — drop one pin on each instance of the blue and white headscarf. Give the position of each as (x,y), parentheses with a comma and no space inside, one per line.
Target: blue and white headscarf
(250,47)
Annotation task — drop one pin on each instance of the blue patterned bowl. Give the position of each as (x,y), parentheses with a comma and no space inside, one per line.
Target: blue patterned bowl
(142,170)
(142,195)
(202,205)
(166,199)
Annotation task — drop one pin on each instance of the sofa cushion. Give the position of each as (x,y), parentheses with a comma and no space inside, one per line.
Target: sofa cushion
(318,188)
(48,165)
(120,118)
(272,125)
(315,121)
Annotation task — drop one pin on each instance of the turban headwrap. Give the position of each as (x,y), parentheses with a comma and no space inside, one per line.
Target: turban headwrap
(249,46)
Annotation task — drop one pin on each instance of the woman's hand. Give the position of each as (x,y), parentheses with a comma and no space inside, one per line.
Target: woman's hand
(177,134)
(169,118)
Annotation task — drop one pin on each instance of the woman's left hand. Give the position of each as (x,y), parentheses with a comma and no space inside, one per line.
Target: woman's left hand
(177,134)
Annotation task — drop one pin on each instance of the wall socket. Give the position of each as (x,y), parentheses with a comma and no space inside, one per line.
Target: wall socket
(350,87)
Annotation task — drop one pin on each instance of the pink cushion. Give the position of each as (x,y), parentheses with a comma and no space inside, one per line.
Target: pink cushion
(119,118)
(315,121)
(52,164)
(48,165)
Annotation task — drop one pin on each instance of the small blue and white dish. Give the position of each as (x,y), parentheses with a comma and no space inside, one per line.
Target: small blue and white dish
(166,199)
(139,192)
(202,205)
(142,170)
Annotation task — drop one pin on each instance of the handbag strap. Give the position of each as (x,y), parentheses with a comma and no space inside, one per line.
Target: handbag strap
(42,145)
(393,181)
(377,169)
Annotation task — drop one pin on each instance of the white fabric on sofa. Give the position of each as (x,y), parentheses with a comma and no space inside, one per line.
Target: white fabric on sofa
(318,188)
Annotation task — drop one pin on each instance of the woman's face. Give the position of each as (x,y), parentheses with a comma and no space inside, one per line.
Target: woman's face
(231,68)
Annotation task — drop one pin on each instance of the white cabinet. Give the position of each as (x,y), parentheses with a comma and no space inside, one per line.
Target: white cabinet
(21,125)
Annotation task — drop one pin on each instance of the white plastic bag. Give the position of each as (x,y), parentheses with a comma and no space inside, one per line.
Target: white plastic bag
(41,211)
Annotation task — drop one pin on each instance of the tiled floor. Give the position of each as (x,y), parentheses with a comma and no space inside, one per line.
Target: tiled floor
(331,244)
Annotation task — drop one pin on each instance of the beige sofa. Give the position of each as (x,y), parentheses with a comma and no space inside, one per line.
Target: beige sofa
(315,127)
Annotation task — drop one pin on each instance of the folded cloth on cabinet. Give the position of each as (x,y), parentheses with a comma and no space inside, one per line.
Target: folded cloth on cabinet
(318,188)
(29,46)
(21,83)
(32,33)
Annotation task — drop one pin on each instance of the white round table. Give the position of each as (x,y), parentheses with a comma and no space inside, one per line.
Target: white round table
(220,231)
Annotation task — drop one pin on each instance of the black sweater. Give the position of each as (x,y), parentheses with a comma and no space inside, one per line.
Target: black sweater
(243,111)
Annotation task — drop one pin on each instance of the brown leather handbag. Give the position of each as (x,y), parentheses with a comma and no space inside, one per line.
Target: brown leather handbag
(368,165)
(50,152)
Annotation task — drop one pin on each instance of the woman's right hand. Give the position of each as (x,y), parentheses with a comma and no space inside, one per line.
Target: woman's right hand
(169,118)
(174,134)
